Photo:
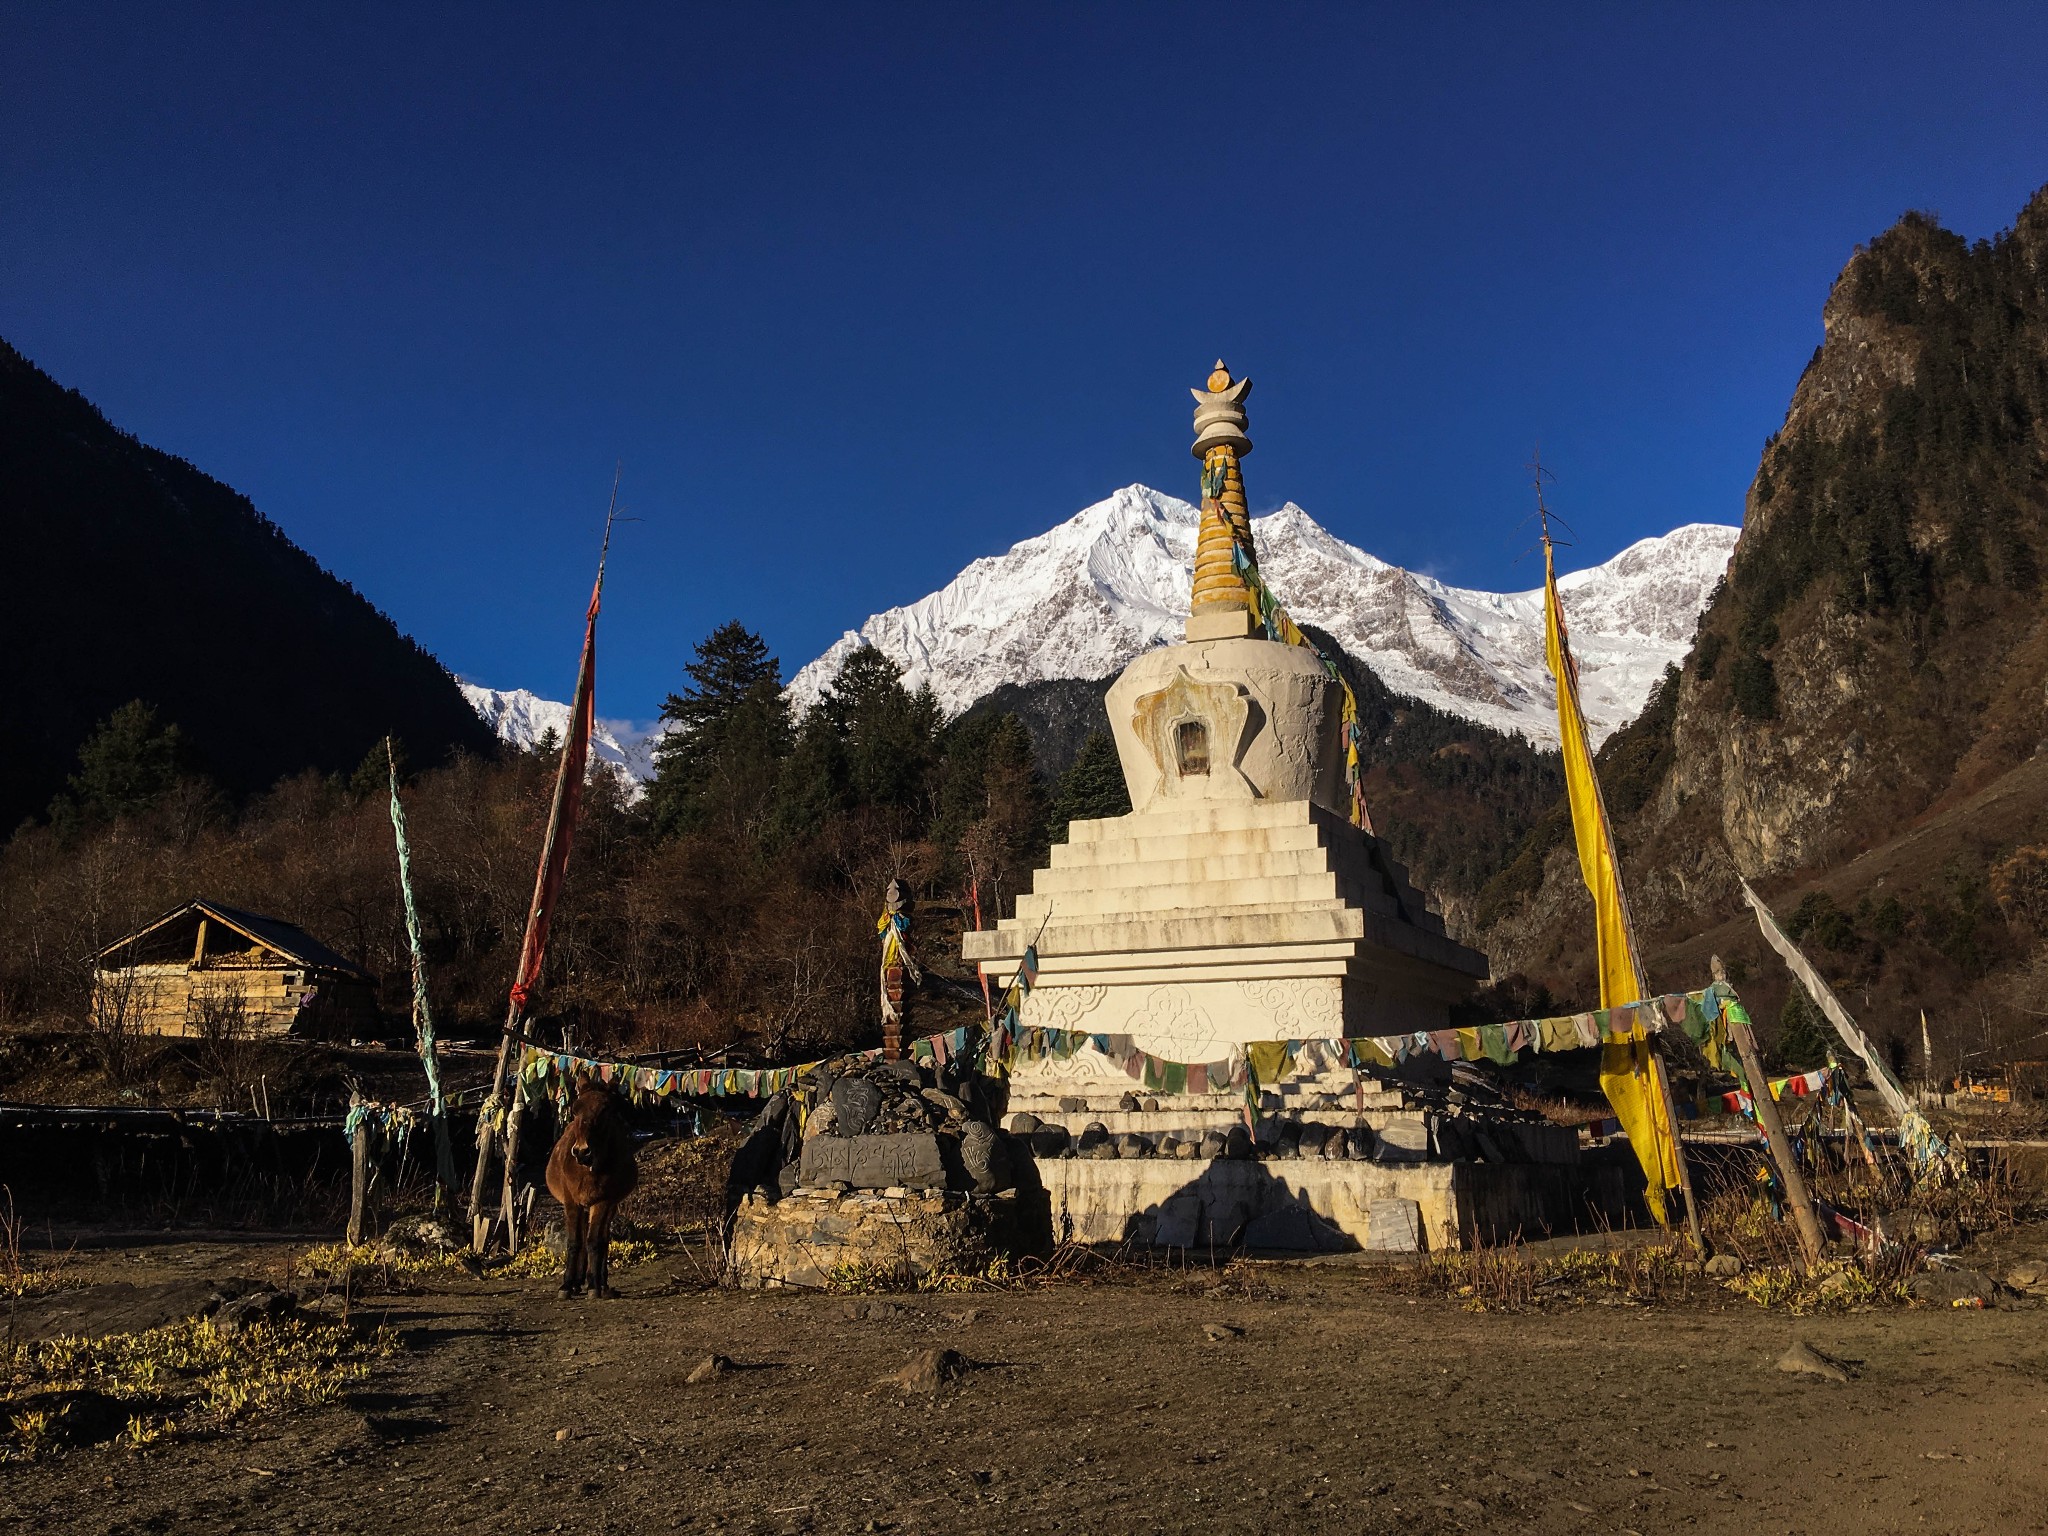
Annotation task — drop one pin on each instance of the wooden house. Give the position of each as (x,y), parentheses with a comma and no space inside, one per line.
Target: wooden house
(206,962)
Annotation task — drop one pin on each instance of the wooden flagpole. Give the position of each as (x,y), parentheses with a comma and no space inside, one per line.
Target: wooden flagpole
(561,818)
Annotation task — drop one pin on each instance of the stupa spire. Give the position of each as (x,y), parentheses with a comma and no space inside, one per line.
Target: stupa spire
(1221,607)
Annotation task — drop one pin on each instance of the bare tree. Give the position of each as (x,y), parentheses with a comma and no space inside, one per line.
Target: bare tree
(114,1020)
(220,1022)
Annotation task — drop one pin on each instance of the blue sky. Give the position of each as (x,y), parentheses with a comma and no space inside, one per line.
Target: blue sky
(858,293)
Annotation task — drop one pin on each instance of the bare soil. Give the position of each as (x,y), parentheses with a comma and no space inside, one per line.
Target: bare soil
(1264,1397)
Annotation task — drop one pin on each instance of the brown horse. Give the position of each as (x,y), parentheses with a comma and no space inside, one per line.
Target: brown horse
(590,1171)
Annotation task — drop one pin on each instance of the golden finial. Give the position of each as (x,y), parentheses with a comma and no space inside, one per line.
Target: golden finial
(1220,379)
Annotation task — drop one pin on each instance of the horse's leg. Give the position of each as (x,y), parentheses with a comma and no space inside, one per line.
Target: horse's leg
(575,1224)
(601,1248)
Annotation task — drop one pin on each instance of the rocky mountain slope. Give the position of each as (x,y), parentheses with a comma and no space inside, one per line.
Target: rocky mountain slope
(1874,663)
(129,574)
(1079,601)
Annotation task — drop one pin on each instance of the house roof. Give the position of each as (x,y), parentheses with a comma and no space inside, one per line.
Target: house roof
(273,933)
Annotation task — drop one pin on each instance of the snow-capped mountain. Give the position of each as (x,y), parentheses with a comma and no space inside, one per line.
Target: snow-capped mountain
(521,719)
(1081,600)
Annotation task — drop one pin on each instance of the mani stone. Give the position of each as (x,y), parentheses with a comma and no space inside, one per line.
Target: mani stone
(874,1162)
(1023,1124)
(1212,1144)
(1237,1142)
(985,1158)
(855,1103)
(1312,1139)
(1131,1144)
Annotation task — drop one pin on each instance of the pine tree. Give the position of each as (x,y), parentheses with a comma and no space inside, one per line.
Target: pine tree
(1804,1035)
(1093,787)
(890,734)
(127,765)
(729,731)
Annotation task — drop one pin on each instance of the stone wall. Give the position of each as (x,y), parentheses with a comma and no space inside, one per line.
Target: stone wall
(1222,1201)
(1301,1205)
(807,1237)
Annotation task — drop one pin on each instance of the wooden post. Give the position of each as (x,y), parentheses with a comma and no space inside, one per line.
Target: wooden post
(479,1213)
(1692,1209)
(359,1186)
(1773,1126)
(515,1120)
(896,934)
(892,1018)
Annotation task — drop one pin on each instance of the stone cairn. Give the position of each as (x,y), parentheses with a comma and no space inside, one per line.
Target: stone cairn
(896,1168)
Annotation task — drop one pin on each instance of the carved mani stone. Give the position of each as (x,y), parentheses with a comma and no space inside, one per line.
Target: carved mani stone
(874,1162)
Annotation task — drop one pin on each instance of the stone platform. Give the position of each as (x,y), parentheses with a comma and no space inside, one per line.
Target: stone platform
(1322,1206)
(812,1236)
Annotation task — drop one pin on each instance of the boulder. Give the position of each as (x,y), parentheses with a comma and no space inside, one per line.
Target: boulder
(930,1370)
(1946,1287)
(1213,1144)
(1050,1141)
(265,1306)
(1802,1359)
(1131,1144)
(1024,1123)
(1723,1266)
(1237,1142)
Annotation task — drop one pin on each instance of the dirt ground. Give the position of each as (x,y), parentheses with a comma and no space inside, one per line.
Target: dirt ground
(1329,1401)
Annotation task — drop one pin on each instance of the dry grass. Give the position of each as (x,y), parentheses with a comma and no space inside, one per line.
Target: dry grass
(187,1377)
(372,1268)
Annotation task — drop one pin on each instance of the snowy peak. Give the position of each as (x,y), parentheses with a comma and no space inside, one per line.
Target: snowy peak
(521,719)
(1082,599)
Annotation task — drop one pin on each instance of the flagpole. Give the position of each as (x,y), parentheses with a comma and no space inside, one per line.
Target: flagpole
(532,951)
(422,1016)
(1663,1154)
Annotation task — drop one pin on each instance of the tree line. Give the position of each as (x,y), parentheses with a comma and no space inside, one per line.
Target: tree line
(731,904)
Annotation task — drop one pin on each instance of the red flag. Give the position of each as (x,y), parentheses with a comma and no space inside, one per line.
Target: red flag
(554,852)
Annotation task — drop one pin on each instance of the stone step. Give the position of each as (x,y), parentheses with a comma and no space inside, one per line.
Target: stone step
(1179,844)
(1197,816)
(1322,921)
(1117,1121)
(1189,869)
(1263,892)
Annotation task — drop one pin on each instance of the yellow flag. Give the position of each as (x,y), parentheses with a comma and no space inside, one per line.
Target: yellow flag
(1626,1072)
